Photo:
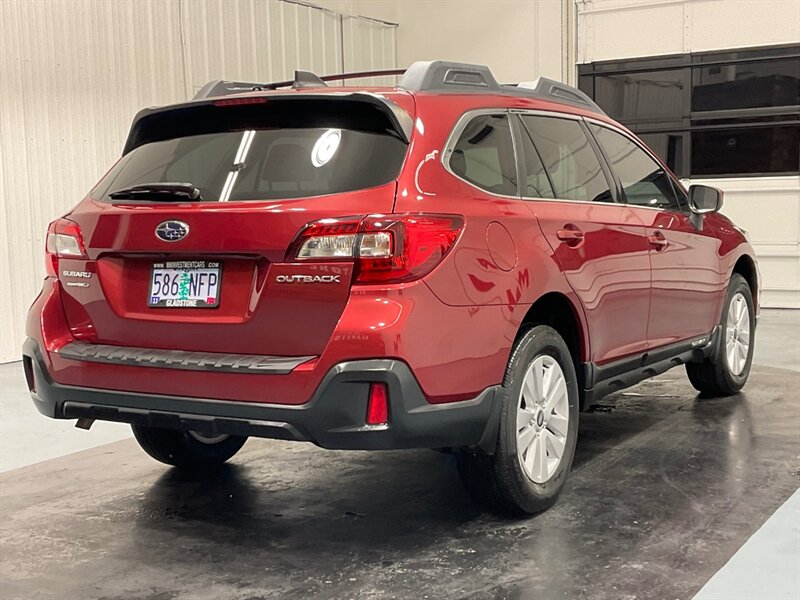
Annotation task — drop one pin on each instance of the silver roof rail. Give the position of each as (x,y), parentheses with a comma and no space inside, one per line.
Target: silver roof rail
(550,89)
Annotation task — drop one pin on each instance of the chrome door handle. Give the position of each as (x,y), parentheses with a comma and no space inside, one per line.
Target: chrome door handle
(571,235)
(657,240)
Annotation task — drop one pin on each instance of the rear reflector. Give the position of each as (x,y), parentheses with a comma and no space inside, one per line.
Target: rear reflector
(378,404)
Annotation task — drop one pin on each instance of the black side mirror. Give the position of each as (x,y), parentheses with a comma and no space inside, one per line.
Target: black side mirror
(704,199)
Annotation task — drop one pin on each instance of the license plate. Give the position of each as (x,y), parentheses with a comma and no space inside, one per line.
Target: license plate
(185,284)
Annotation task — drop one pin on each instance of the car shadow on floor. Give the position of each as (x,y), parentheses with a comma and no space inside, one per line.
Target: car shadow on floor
(293,496)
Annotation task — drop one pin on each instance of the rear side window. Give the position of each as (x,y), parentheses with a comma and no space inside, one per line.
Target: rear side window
(535,183)
(484,155)
(569,159)
(643,180)
(288,157)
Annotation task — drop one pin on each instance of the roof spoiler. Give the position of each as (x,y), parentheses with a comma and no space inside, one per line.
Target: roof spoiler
(190,118)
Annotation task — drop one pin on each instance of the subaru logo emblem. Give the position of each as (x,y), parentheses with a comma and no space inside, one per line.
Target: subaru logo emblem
(172,231)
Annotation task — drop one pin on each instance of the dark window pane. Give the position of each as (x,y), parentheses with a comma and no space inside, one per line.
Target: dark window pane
(746,150)
(569,159)
(644,181)
(484,155)
(634,96)
(669,147)
(535,183)
(745,53)
(264,164)
(746,85)
(586,85)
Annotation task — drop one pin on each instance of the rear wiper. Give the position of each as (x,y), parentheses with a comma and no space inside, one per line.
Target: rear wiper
(166,191)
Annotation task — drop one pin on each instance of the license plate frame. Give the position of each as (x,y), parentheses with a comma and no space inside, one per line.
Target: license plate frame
(178,293)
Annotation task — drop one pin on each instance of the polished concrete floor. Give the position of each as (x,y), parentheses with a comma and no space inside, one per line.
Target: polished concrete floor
(665,491)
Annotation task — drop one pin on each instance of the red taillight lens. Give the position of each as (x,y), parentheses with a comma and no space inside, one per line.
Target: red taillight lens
(378,404)
(64,240)
(385,248)
(404,248)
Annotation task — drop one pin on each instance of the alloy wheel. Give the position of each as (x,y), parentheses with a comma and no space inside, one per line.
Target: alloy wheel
(542,419)
(737,334)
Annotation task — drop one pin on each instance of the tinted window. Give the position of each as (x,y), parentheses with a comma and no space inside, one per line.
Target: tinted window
(484,155)
(535,183)
(264,164)
(650,95)
(643,180)
(669,146)
(746,85)
(751,150)
(569,158)
(729,112)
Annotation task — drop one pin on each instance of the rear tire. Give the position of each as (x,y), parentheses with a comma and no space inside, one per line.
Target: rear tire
(537,432)
(187,449)
(725,371)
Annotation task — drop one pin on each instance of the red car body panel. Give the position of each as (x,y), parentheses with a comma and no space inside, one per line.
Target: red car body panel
(454,328)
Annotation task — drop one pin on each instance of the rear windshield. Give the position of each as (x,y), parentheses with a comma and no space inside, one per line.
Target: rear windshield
(263,164)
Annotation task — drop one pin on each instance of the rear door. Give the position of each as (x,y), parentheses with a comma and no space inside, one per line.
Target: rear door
(599,244)
(687,285)
(212,274)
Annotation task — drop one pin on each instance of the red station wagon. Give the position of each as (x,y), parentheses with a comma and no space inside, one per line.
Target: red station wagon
(448,263)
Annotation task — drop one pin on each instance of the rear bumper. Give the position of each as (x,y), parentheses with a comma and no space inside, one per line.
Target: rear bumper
(333,418)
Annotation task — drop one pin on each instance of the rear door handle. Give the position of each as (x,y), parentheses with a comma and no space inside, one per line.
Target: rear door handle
(570,234)
(657,240)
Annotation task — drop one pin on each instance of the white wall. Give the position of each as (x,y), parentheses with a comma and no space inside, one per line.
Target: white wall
(518,39)
(612,29)
(74,73)
(769,207)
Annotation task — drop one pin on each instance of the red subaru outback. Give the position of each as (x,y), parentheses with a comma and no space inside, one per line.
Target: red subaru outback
(450,263)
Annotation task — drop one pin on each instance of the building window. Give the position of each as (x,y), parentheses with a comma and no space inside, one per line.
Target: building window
(711,114)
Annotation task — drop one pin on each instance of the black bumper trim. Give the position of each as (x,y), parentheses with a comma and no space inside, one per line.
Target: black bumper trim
(182,359)
(333,418)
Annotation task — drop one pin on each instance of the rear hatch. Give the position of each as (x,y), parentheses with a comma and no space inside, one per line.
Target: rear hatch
(186,238)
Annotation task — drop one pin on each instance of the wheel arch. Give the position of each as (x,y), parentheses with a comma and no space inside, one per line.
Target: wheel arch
(562,314)
(746,267)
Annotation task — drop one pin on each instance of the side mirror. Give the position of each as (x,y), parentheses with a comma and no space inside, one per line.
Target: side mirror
(704,199)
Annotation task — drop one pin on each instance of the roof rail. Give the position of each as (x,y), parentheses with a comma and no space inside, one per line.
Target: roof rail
(302,79)
(442,76)
(424,76)
(550,89)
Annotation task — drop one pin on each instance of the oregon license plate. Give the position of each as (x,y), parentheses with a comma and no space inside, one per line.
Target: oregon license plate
(185,284)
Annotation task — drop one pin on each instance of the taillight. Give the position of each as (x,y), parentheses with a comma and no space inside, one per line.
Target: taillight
(64,240)
(385,248)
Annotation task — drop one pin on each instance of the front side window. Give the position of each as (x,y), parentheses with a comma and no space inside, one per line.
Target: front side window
(643,180)
(484,155)
(569,159)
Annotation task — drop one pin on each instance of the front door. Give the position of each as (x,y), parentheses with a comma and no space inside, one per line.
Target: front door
(599,244)
(687,283)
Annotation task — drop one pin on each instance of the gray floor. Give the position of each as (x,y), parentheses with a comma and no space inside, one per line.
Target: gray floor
(668,495)
(27,438)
